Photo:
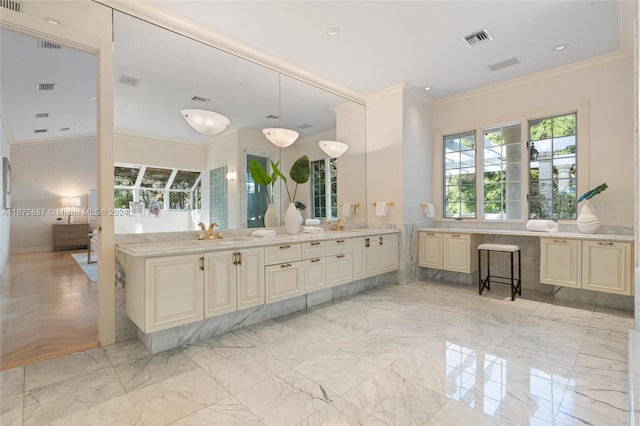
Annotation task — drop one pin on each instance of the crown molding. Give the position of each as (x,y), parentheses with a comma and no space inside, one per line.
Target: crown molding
(24,142)
(177,142)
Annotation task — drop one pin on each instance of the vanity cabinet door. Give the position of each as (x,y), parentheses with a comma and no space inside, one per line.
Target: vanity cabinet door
(456,256)
(219,283)
(359,249)
(606,266)
(250,277)
(314,272)
(283,281)
(560,262)
(174,294)
(430,250)
(387,253)
(339,269)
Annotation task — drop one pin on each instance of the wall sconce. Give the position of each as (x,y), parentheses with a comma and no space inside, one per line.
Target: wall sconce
(205,122)
(71,202)
(333,149)
(232,176)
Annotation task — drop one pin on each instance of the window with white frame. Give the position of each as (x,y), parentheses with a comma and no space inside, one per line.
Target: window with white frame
(324,185)
(502,173)
(167,188)
(553,167)
(460,175)
(501,182)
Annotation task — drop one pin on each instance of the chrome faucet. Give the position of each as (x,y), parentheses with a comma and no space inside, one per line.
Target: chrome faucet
(210,231)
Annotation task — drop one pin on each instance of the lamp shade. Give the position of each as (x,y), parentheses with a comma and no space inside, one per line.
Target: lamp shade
(333,149)
(70,201)
(280,137)
(205,122)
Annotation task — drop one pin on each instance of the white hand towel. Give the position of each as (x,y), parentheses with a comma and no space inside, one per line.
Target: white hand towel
(430,210)
(346,209)
(381,208)
(312,229)
(542,226)
(263,233)
(312,222)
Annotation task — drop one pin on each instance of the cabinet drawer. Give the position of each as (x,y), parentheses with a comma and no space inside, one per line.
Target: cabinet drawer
(338,246)
(314,249)
(283,253)
(283,281)
(339,269)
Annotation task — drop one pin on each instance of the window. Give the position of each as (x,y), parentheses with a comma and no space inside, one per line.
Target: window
(460,175)
(552,167)
(324,184)
(504,172)
(257,199)
(154,185)
(219,197)
(502,177)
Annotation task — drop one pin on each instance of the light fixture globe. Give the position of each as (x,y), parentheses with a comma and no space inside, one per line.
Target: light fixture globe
(205,122)
(333,149)
(280,137)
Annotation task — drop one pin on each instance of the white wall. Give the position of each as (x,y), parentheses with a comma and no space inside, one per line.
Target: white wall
(605,84)
(5,219)
(43,173)
(385,153)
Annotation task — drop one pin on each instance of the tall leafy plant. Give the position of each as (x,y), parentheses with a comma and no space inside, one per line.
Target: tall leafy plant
(299,173)
(261,177)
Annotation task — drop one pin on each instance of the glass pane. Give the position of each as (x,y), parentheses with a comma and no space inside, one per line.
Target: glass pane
(122,197)
(469,210)
(452,160)
(564,146)
(514,210)
(513,172)
(179,200)
(564,125)
(125,176)
(184,179)
(149,198)
(513,153)
(155,178)
(468,141)
(540,129)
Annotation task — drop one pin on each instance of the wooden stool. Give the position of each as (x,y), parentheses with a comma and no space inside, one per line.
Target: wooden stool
(516,282)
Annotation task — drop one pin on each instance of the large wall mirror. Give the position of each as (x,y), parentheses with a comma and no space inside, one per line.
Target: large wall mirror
(161,161)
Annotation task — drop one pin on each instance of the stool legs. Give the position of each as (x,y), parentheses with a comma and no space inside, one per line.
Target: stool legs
(486,283)
(515,282)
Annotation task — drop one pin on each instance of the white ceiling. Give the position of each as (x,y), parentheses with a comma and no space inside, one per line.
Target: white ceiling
(380,43)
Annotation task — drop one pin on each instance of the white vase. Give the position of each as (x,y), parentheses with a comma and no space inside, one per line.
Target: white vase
(292,219)
(271,216)
(587,222)
(301,218)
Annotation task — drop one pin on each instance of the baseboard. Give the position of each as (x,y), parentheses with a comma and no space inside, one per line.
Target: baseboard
(31,249)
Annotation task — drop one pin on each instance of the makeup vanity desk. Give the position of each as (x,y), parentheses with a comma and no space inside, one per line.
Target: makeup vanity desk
(598,262)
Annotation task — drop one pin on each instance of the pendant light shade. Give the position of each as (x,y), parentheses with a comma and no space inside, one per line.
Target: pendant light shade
(205,122)
(333,149)
(280,137)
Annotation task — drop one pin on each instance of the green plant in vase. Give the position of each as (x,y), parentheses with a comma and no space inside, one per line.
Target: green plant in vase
(261,177)
(299,173)
(588,222)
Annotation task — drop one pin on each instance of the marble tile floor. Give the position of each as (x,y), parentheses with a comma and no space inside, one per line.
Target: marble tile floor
(417,354)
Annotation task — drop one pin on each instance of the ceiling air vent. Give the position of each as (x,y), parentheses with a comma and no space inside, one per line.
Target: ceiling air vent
(200,99)
(272,117)
(10,4)
(43,44)
(304,126)
(64,129)
(129,81)
(504,64)
(479,37)
(42,115)
(40,131)
(44,86)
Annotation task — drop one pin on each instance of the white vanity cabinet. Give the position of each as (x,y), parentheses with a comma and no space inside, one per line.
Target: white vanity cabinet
(597,265)
(455,252)
(606,266)
(560,262)
(430,250)
(314,265)
(250,277)
(164,292)
(283,272)
(374,255)
(339,262)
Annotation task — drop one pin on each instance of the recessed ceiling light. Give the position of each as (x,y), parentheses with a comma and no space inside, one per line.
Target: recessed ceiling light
(428,88)
(560,47)
(51,21)
(333,31)
(77,124)
(92,98)
(244,84)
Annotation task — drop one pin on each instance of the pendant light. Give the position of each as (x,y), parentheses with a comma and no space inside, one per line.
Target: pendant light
(205,122)
(333,149)
(279,136)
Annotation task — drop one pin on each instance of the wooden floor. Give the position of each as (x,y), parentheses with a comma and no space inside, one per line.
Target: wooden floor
(48,308)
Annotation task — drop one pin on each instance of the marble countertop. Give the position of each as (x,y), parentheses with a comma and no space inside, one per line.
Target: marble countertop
(176,247)
(525,233)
